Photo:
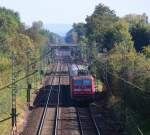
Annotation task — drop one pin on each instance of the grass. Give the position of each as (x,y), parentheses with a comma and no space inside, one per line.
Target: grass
(5,106)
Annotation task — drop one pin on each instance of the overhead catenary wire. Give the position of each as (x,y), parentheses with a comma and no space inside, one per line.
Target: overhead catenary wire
(128,82)
(121,77)
(105,69)
(32,63)
(9,84)
(6,86)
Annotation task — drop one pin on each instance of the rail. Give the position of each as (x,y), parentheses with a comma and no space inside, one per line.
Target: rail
(79,120)
(57,111)
(45,108)
(97,130)
(95,124)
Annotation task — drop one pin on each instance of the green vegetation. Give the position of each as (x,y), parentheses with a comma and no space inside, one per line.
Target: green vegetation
(119,54)
(27,43)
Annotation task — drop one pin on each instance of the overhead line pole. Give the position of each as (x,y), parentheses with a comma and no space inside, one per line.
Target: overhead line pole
(28,81)
(13,110)
(123,94)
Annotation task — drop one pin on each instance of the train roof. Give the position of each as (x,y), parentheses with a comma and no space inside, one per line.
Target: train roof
(75,70)
(82,67)
(82,77)
(78,67)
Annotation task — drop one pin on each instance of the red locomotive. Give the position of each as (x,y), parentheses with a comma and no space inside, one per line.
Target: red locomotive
(81,84)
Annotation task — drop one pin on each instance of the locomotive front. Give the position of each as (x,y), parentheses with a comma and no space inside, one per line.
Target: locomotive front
(82,85)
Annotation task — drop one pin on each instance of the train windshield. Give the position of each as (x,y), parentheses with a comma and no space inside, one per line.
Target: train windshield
(87,82)
(78,82)
(82,82)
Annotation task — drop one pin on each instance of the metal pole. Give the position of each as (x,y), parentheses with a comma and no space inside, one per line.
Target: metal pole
(123,94)
(28,81)
(13,110)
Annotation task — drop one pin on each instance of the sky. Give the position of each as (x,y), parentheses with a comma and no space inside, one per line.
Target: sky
(70,11)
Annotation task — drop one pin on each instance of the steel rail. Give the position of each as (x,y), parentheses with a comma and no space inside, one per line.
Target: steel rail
(57,109)
(98,132)
(45,109)
(94,122)
(79,120)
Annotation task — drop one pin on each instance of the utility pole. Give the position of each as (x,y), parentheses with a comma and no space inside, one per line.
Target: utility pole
(28,81)
(14,91)
(123,92)
(105,70)
(105,66)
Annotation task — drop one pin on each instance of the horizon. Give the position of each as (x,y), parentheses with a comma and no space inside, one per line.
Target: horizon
(67,12)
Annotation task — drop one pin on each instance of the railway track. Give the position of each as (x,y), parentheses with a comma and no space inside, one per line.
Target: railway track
(58,116)
(31,125)
(41,119)
(49,119)
(55,114)
(57,110)
(87,123)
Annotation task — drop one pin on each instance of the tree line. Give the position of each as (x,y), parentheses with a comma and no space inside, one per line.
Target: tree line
(119,48)
(28,43)
(21,39)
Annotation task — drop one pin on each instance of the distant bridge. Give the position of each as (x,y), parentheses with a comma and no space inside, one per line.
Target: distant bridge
(62,46)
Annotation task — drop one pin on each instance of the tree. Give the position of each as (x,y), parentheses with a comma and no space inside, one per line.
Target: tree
(9,26)
(38,34)
(23,46)
(76,33)
(84,46)
(37,25)
(99,23)
(80,29)
(146,51)
(118,34)
(135,19)
(94,50)
(139,29)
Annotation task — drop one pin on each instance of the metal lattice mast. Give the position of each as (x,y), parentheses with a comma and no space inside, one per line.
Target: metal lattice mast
(123,87)
(28,81)
(14,91)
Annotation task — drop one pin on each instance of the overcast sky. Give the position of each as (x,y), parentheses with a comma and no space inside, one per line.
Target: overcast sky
(70,11)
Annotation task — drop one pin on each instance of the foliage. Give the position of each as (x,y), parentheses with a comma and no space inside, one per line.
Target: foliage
(24,48)
(122,46)
(37,34)
(139,29)
(9,25)
(5,63)
(134,19)
(146,51)
(118,34)
(76,33)
(128,75)
(26,43)
(99,23)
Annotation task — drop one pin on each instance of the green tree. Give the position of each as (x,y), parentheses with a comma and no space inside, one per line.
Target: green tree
(146,51)
(23,46)
(76,33)
(84,45)
(9,26)
(99,23)
(139,29)
(118,34)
